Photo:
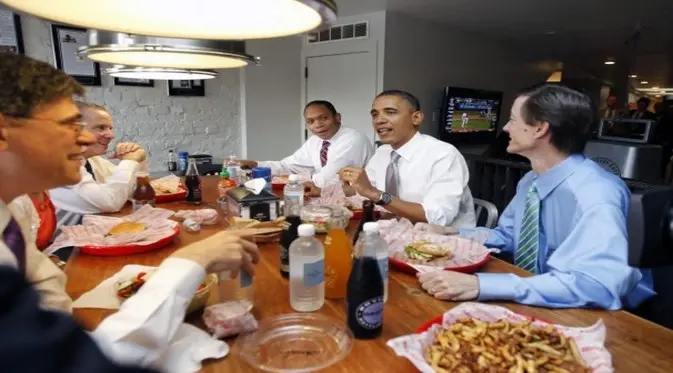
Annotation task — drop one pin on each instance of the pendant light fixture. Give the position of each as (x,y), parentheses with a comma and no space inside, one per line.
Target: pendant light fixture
(194,19)
(158,73)
(148,51)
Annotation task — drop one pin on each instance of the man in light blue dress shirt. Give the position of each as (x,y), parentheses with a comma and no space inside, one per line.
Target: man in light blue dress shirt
(566,224)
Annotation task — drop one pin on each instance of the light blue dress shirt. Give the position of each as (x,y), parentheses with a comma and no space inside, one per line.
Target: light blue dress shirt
(582,260)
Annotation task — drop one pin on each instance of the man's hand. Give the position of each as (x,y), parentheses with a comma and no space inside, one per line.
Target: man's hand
(221,252)
(311,189)
(130,151)
(436,229)
(247,163)
(448,285)
(358,180)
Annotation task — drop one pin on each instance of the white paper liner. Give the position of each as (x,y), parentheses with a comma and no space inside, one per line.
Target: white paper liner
(398,233)
(93,229)
(166,185)
(590,340)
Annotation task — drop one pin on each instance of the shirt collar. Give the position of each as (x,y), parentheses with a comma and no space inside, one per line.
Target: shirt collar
(332,139)
(407,150)
(550,179)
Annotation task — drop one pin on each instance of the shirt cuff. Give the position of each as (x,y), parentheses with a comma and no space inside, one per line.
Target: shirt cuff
(128,165)
(480,235)
(496,286)
(182,275)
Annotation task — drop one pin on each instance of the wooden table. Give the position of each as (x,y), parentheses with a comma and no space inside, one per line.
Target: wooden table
(636,345)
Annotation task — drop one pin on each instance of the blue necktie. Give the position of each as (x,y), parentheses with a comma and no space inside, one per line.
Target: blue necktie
(13,238)
(529,240)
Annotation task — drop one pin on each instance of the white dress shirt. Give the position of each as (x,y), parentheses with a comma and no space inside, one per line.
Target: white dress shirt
(108,192)
(348,147)
(432,173)
(47,279)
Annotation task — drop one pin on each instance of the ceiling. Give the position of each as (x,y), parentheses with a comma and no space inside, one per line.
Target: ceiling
(578,32)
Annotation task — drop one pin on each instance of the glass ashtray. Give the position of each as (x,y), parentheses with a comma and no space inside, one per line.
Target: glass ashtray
(296,343)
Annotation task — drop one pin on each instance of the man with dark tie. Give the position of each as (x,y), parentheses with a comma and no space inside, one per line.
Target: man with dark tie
(331,147)
(566,224)
(42,143)
(105,187)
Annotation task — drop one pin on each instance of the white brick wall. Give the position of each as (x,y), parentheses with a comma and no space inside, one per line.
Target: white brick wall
(210,124)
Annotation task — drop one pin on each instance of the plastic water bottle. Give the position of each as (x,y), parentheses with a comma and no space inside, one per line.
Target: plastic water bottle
(293,196)
(373,240)
(239,288)
(366,290)
(234,169)
(307,271)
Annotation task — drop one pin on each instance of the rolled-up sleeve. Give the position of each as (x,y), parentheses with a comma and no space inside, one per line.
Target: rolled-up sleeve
(589,269)
(445,190)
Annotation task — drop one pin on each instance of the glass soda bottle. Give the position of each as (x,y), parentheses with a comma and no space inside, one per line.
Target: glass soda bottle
(364,302)
(144,194)
(367,216)
(307,271)
(193,183)
(338,257)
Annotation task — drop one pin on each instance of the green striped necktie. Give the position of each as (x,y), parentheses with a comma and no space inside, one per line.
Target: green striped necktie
(529,240)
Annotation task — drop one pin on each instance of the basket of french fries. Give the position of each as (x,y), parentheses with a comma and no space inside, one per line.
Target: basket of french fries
(476,337)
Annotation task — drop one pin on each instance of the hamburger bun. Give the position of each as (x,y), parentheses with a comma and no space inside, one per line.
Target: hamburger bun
(126,227)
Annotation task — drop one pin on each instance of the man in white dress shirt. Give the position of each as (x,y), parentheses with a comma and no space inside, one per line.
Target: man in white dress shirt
(41,147)
(412,175)
(104,187)
(331,147)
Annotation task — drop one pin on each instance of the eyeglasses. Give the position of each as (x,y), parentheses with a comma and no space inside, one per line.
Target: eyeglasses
(75,124)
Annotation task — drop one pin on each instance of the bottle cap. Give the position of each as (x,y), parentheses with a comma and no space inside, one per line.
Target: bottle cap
(371,227)
(224,174)
(306,230)
(184,154)
(293,178)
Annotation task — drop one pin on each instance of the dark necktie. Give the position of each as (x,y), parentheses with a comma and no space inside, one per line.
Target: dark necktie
(13,238)
(323,153)
(89,169)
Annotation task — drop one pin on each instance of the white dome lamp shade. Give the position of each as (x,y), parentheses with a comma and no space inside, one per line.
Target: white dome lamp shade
(158,73)
(148,51)
(194,19)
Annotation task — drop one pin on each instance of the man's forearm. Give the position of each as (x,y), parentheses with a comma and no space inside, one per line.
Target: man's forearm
(409,210)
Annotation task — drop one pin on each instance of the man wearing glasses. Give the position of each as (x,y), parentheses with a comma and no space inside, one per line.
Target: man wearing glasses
(42,147)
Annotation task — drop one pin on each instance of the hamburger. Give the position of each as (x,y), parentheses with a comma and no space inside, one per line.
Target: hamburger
(426,251)
(126,227)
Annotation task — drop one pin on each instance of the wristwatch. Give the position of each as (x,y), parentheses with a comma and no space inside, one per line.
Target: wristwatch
(385,199)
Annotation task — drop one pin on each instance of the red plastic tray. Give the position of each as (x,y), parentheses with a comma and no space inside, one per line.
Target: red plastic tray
(438,320)
(406,268)
(160,198)
(129,249)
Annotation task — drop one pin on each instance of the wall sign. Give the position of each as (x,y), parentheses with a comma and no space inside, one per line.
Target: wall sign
(66,40)
(11,39)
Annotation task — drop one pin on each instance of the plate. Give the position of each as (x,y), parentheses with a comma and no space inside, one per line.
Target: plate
(296,343)
(438,320)
(471,268)
(171,197)
(130,249)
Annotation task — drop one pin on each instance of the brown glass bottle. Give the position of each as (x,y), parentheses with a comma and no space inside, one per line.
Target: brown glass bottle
(144,193)
(367,216)
(193,183)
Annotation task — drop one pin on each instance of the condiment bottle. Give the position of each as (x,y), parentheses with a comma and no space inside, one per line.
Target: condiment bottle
(338,257)
(144,194)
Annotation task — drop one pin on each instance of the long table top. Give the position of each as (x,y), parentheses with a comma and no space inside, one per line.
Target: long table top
(636,345)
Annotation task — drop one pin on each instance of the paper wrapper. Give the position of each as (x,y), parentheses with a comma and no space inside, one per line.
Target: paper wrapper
(93,230)
(333,194)
(202,216)
(398,233)
(590,341)
(230,318)
(166,185)
(105,294)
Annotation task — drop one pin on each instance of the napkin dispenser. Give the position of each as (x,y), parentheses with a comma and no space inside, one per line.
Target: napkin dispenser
(650,225)
(244,203)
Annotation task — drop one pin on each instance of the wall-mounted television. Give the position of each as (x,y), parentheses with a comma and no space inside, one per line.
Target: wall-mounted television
(469,116)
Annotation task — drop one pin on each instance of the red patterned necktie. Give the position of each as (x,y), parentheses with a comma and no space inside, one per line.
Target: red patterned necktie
(13,238)
(323,153)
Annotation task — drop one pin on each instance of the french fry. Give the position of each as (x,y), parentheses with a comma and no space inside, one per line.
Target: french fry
(471,345)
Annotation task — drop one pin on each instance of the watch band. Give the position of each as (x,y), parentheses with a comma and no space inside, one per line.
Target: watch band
(385,199)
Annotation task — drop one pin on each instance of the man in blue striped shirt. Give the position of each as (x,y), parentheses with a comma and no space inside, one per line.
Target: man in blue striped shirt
(566,224)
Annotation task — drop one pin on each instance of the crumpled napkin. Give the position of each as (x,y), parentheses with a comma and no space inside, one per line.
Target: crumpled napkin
(189,346)
(255,185)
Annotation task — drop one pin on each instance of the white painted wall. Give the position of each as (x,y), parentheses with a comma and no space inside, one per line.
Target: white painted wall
(272,98)
(422,57)
(148,116)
